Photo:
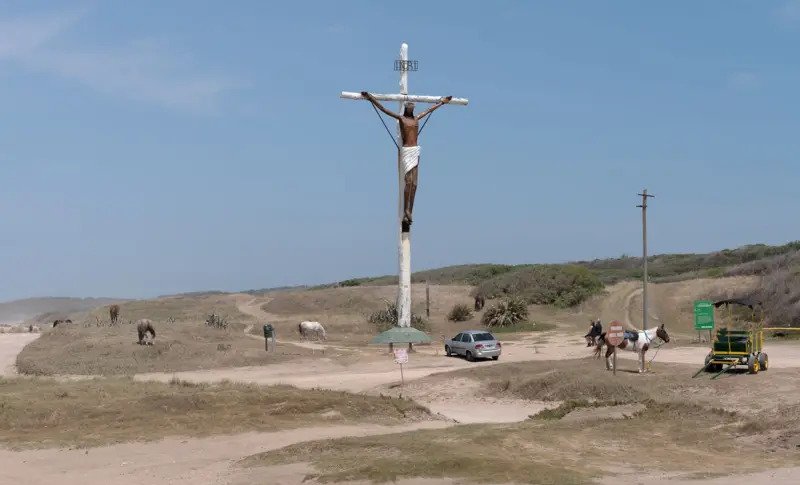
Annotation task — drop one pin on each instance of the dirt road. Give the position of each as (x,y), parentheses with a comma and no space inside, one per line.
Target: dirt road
(12,344)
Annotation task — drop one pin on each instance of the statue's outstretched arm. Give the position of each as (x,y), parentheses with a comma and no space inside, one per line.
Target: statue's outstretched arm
(378,105)
(433,108)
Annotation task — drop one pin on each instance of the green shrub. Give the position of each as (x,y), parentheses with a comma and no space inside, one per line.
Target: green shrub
(507,312)
(460,313)
(560,285)
(387,318)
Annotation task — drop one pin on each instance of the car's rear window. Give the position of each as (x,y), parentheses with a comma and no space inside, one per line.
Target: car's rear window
(482,336)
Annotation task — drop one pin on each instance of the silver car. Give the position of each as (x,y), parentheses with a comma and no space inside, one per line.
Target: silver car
(473,344)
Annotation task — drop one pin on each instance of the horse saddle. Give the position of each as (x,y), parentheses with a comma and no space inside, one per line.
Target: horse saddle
(632,336)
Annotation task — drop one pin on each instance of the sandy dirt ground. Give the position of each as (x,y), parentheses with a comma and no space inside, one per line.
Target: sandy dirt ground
(365,369)
(12,344)
(781,476)
(175,461)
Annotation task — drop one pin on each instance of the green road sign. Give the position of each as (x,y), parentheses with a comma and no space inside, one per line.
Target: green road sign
(703,315)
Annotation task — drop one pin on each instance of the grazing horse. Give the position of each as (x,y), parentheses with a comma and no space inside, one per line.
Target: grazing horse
(143,327)
(480,301)
(595,331)
(59,322)
(307,329)
(113,313)
(635,342)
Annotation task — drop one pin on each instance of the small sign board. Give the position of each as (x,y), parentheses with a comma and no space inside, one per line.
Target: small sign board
(401,356)
(615,334)
(703,315)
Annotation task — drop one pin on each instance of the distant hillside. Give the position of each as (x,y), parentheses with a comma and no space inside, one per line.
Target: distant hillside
(660,267)
(258,292)
(20,310)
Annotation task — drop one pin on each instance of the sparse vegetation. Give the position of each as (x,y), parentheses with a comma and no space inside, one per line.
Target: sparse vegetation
(525,327)
(37,412)
(216,321)
(505,313)
(564,408)
(387,318)
(559,285)
(537,283)
(778,291)
(112,350)
(460,313)
(540,451)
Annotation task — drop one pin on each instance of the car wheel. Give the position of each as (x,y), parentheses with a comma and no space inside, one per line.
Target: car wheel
(469,356)
(495,357)
(447,351)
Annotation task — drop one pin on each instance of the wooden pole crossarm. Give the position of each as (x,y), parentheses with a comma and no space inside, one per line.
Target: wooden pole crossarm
(413,98)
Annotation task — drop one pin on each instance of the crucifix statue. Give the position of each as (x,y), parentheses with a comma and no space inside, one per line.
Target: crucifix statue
(407,165)
(409,150)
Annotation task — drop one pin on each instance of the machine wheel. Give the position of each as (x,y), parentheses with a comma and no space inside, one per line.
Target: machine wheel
(763,361)
(469,356)
(447,351)
(495,357)
(752,364)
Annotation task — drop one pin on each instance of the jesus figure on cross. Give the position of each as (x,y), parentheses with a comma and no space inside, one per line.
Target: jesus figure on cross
(409,152)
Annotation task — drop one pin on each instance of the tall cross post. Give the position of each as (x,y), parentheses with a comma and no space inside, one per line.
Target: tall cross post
(404,243)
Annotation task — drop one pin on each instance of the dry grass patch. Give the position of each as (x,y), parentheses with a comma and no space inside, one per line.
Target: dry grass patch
(38,412)
(193,309)
(74,349)
(672,436)
(482,454)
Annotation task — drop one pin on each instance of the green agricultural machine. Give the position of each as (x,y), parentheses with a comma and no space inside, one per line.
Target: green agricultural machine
(732,348)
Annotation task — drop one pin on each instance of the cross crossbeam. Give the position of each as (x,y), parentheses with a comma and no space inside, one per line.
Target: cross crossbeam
(413,98)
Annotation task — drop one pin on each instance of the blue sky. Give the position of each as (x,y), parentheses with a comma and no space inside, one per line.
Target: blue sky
(156,147)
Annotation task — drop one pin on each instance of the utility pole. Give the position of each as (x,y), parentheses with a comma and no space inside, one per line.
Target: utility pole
(644,195)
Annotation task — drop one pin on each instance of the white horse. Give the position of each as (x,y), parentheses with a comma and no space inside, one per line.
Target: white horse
(307,329)
(640,344)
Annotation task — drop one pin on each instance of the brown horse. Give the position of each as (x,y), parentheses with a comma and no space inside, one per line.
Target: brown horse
(480,301)
(143,327)
(113,313)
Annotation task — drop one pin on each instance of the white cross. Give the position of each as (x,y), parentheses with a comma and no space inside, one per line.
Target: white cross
(404,245)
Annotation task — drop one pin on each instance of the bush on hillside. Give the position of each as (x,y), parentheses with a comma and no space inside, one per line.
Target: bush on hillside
(215,321)
(560,285)
(779,293)
(677,267)
(460,313)
(387,318)
(507,312)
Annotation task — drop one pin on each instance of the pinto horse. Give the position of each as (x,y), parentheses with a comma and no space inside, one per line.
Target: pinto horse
(634,341)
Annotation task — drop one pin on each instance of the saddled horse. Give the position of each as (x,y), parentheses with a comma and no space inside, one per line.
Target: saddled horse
(639,342)
(143,327)
(307,329)
(595,331)
(480,301)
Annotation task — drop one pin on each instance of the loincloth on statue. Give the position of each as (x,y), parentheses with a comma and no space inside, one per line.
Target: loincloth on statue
(409,157)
